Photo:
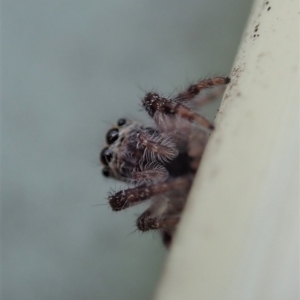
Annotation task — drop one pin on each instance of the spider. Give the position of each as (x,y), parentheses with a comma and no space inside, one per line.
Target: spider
(159,161)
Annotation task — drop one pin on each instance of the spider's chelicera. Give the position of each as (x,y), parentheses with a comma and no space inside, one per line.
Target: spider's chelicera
(159,161)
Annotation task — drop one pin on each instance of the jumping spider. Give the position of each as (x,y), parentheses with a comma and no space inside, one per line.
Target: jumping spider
(159,161)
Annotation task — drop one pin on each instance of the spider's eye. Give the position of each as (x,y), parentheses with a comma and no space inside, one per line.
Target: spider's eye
(121,122)
(112,136)
(105,172)
(106,156)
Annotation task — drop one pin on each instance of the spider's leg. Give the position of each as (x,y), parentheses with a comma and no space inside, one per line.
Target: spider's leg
(132,196)
(204,98)
(163,215)
(197,143)
(149,221)
(194,89)
(161,108)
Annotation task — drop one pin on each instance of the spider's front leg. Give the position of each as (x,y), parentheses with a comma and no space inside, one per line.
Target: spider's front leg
(194,89)
(132,196)
(161,108)
(157,219)
(164,214)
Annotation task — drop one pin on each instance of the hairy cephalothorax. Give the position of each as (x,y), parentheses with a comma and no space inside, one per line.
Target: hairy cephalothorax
(159,161)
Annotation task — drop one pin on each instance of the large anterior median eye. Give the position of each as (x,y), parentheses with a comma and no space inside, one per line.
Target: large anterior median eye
(105,156)
(112,136)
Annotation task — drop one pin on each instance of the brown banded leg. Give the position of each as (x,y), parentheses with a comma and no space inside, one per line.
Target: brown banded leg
(194,89)
(197,143)
(164,215)
(205,98)
(132,196)
(148,222)
(160,217)
(160,107)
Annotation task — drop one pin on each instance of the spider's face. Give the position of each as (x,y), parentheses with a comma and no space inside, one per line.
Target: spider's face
(123,154)
(114,140)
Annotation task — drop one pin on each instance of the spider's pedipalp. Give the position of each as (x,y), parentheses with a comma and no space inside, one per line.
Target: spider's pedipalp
(148,173)
(156,146)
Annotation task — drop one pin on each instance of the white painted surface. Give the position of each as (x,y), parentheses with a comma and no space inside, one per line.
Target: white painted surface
(239,237)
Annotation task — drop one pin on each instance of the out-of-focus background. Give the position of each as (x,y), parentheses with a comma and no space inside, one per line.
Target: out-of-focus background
(70,69)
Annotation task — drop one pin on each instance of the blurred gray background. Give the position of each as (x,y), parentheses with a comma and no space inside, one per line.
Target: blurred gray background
(70,69)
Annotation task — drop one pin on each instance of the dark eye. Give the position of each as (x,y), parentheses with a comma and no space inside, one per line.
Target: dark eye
(112,136)
(121,122)
(106,156)
(105,172)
